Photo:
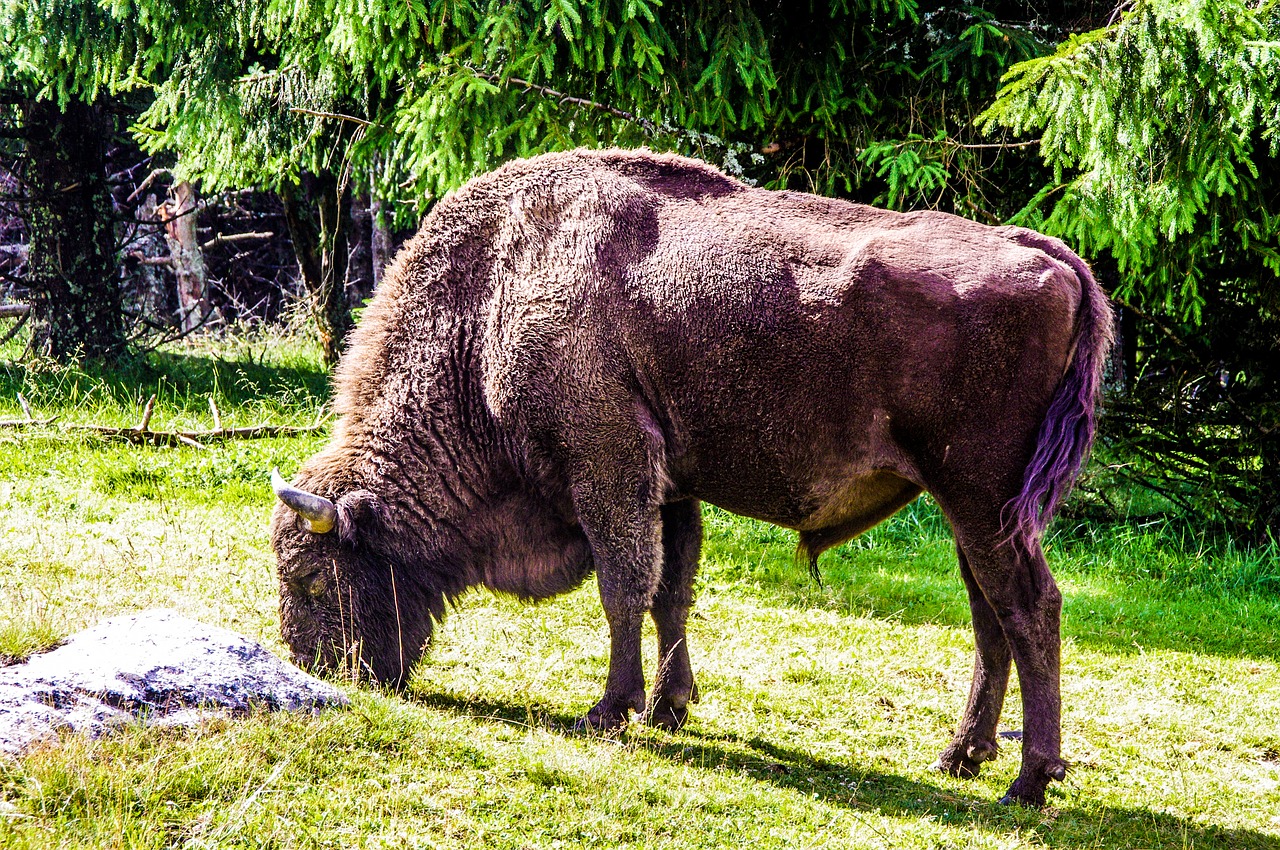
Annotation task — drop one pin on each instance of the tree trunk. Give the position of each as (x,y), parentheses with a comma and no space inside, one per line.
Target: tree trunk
(72,264)
(380,239)
(149,251)
(316,212)
(359,261)
(187,256)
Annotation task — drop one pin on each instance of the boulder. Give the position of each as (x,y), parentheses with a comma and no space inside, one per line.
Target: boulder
(156,666)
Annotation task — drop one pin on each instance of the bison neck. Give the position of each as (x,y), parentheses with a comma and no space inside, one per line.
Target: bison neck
(467,515)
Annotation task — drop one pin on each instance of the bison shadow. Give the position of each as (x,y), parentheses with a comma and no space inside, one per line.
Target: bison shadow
(867,788)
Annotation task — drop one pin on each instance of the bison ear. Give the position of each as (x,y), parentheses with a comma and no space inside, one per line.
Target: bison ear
(358,512)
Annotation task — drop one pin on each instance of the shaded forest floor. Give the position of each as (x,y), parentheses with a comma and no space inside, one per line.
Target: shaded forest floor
(822,705)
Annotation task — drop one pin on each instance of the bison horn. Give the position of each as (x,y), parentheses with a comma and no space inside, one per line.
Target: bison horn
(320,513)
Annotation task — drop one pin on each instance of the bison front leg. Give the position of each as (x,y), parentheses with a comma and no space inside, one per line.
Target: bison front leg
(975,740)
(674,688)
(626,545)
(624,688)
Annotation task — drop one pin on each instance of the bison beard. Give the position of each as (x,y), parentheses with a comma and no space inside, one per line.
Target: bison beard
(576,349)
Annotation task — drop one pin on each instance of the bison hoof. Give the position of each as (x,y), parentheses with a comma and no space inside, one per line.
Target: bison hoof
(965,760)
(605,717)
(1028,789)
(665,714)
(601,724)
(1031,798)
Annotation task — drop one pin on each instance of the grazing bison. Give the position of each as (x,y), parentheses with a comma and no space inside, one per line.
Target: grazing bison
(577,349)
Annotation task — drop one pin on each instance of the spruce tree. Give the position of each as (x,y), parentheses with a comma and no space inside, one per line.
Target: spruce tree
(1162,132)
(65,67)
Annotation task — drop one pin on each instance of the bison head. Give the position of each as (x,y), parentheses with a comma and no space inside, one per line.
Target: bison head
(346,603)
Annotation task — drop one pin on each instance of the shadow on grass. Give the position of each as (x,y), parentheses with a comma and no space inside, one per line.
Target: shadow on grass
(1118,618)
(1120,621)
(178,377)
(870,789)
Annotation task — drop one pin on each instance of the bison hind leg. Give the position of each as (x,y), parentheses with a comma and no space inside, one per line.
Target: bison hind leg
(674,687)
(975,738)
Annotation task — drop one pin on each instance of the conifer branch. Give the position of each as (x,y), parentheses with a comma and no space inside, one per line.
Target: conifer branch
(648,125)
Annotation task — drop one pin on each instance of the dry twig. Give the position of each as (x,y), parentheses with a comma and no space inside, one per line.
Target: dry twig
(222,239)
(21,311)
(141,434)
(27,419)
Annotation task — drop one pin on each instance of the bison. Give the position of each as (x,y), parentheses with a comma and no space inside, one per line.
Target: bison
(577,349)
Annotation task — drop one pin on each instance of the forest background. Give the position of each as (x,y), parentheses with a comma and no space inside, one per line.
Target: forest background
(170,165)
(196,198)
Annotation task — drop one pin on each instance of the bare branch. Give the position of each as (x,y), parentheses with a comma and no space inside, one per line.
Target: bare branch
(646,124)
(142,187)
(221,239)
(27,419)
(335,115)
(146,415)
(151,261)
(10,311)
(141,434)
(187,441)
(952,143)
(197,438)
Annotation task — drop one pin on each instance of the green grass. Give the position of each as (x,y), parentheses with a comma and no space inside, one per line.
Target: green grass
(822,705)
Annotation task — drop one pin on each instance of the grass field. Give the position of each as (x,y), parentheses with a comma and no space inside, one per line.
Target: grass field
(822,705)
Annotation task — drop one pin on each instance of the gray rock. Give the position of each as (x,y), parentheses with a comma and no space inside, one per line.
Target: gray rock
(157,666)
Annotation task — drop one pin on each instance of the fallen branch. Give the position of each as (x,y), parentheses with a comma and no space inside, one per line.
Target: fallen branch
(9,311)
(141,434)
(27,419)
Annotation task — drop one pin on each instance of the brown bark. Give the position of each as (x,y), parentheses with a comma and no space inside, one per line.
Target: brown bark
(380,242)
(149,252)
(359,260)
(187,256)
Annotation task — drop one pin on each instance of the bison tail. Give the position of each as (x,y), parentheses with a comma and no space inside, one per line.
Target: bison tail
(1066,434)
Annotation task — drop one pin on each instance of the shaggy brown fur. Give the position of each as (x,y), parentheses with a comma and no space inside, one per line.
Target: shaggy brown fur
(577,348)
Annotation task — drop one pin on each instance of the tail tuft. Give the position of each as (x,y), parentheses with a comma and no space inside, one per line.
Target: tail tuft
(1066,434)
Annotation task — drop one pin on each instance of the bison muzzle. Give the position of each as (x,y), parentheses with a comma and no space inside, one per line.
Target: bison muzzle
(578,349)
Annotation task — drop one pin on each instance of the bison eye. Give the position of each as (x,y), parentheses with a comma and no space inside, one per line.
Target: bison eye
(315,586)
(311,584)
